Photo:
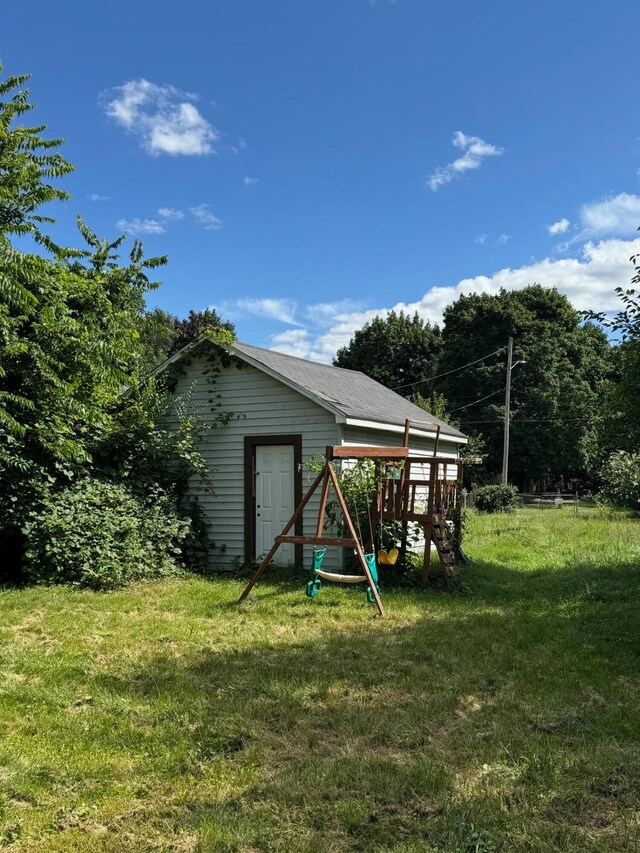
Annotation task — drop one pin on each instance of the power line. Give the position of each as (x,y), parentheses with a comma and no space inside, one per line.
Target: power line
(447,372)
(451,411)
(531,421)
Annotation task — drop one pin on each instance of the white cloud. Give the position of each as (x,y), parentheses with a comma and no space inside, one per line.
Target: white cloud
(205,218)
(475,150)
(170,214)
(283,310)
(240,146)
(250,182)
(139,226)
(616,216)
(97,197)
(319,315)
(502,239)
(324,313)
(164,118)
(293,342)
(588,281)
(481,239)
(559,227)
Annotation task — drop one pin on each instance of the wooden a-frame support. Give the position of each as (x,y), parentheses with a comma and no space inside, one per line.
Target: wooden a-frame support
(391,503)
(328,478)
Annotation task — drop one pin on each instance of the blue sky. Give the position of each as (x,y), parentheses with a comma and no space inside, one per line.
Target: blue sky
(308,165)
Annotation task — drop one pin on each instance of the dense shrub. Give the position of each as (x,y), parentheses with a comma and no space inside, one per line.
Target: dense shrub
(99,535)
(621,477)
(496,498)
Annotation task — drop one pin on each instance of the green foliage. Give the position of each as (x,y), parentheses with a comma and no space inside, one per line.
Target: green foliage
(99,535)
(162,334)
(496,498)
(622,425)
(157,333)
(75,346)
(627,320)
(395,350)
(27,163)
(198,323)
(621,477)
(358,485)
(557,394)
(153,443)
(65,365)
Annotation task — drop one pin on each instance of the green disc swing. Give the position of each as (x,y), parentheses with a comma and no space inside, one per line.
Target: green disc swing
(316,574)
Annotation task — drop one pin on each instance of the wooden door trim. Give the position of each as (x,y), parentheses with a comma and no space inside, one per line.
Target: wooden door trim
(250,444)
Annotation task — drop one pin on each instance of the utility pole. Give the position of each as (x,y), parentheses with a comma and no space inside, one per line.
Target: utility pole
(507,414)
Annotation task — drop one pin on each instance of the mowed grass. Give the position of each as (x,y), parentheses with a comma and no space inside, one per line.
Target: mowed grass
(504,717)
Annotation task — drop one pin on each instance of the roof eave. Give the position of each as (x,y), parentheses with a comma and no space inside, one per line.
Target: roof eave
(422,433)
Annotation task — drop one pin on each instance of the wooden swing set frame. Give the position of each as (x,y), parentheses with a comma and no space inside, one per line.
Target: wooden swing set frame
(392,503)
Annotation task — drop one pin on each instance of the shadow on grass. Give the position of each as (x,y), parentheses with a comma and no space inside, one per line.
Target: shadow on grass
(371,734)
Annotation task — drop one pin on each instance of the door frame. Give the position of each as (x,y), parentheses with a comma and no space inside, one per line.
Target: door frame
(250,444)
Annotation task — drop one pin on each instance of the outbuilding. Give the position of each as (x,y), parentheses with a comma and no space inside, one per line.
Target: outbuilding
(273,413)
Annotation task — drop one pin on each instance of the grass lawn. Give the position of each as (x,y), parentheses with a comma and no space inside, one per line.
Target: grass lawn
(502,718)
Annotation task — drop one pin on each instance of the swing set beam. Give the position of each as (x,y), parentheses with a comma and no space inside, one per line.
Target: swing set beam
(344,451)
(316,540)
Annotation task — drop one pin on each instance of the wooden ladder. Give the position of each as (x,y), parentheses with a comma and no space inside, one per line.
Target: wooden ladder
(445,550)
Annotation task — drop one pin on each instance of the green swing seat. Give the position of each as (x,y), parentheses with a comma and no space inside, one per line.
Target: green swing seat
(314,584)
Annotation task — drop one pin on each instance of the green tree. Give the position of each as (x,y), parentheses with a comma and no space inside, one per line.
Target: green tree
(65,363)
(397,350)
(622,429)
(162,334)
(196,324)
(157,330)
(557,393)
(71,391)
(27,165)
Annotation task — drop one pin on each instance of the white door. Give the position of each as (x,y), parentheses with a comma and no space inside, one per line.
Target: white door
(274,498)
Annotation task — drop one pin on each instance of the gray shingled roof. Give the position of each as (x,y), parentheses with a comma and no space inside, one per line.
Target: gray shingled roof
(351,392)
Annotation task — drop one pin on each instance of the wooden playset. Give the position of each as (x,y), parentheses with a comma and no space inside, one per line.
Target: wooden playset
(408,489)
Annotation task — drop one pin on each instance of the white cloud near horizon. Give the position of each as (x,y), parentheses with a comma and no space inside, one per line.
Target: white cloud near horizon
(138,227)
(163,117)
(248,181)
(474,151)
(588,280)
(97,197)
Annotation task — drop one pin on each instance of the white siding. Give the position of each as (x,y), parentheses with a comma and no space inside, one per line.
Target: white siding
(262,406)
